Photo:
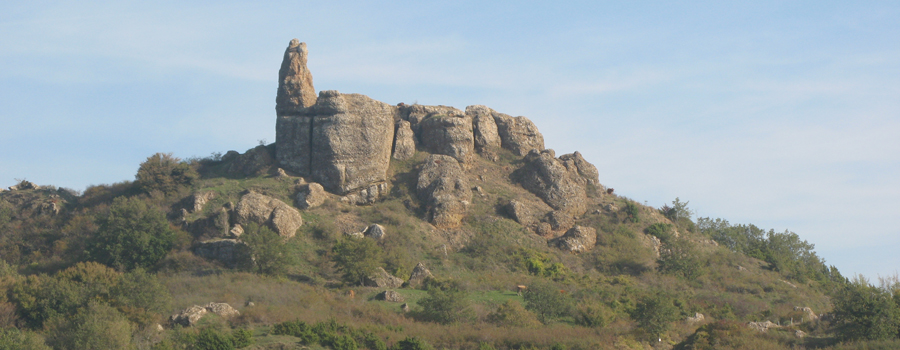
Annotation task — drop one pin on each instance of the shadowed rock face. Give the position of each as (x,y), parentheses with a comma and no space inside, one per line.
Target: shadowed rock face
(518,134)
(560,187)
(295,85)
(450,135)
(484,127)
(445,190)
(265,210)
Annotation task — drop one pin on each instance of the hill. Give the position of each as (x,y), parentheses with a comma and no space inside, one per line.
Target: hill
(367,225)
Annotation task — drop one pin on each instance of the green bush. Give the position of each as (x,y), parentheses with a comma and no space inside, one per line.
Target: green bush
(412,343)
(268,251)
(513,314)
(655,313)
(97,326)
(547,301)
(242,338)
(211,339)
(297,329)
(680,258)
(165,173)
(356,258)
(632,212)
(15,339)
(662,231)
(133,234)
(446,303)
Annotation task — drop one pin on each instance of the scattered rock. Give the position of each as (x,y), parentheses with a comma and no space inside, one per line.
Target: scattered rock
(419,274)
(612,208)
(800,334)
(311,195)
(579,239)
(366,195)
(24,185)
(189,317)
(159,328)
(763,326)
(450,135)
(548,178)
(696,318)
(810,315)
(479,190)
(404,307)
(237,230)
(250,303)
(200,199)
(520,212)
(359,235)
(390,295)
(280,173)
(265,210)
(222,309)
(443,187)
(382,279)
(484,128)
(230,252)
(295,84)
(518,134)
(404,141)
(375,231)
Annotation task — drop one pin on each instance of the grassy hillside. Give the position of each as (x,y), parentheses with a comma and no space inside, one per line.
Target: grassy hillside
(651,275)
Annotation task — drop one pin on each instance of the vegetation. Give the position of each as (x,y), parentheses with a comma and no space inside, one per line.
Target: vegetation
(268,251)
(356,259)
(133,234)
(165,173)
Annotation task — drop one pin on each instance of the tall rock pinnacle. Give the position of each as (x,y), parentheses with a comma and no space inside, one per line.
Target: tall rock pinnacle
(295,85)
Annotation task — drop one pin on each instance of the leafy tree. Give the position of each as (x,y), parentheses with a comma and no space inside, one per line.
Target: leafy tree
(678,211)
(211,339)
(662,231)
(681,258)
(356,258)
(140,296)
(97,326)
(268,250)
(547,301)
(133,234)
(412,343)
(15,339)
(865,312)
(165,173)
(446,303)
(655,314)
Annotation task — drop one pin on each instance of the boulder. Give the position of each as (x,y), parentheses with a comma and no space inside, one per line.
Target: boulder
(188,317)
(256,161)
(391,296)
(548,178)
(366,195)
(810,315)
(416,113)
(518,134)
(559,220)
(521,212)
(404,307)
(311,195)
(375,231)
(230,252)
(382,279)
(222,309)
(343,142)
(265,210)
(24,185)
(587,170)
(443,187)
(484,128)
(763,326)
(579,239)
(404,141)
(295,84)
(419,274)
(698,317)
(237,230)
(449,134)
(199,199)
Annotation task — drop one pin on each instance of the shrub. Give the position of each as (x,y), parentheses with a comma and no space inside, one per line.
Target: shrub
(241,338)
(547,301)
(681,258)
(211,339)
(268,251)
(297,329)
(445,303)
(15,339)
(133,234)
(356,258)
(165,173)
(632,212)
(662,231)
(655,313)
(412,343)
(97,326)
(593,315)
(513,314)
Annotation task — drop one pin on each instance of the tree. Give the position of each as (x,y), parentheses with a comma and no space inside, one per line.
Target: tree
(133,234)
(445,303)
(97,326)
(356,258)
(547,301)
(268,250)
(165,173)
(15,339)
(679,257)
(865,312)
(655,313)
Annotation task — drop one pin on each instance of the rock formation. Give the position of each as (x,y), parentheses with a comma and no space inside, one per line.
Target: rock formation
(190,316)
(382,279)
(560,187)
(256,161)
(404,141)
(265,210)
(311,195)
(484,128)
(444,189)
(375,231)
(518,134)
(418,276)
(579,239)
(449,134)
(586,170)
(295,85)
(230,252)
(390,295)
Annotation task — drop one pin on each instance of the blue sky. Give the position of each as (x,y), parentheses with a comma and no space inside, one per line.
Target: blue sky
(781,114)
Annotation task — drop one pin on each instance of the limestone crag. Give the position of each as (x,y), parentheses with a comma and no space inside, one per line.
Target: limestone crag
(419,274)
(443,187)
(450,135)
(518,134)
(295,85)
(265,210)
(310,195)
(579,239)
(404,141)
(256,161)
(484,128)
(587,170)
(343,142)
(382,279)
(560,187)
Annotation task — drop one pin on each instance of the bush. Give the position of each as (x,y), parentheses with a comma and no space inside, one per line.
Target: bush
(547,301)
(297,329)
(97,326)
(681,258)
(357,258)
(632,212)
(445,303)
(655,313)
(133,234)
(512,314)
(412,343)
(211,339)
(662,231)
(268,250)
(165,173)
(242,338)
(14,339)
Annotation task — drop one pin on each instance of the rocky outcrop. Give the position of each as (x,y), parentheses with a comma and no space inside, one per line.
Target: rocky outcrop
(443,187)
(579,239)
(518,134)
(199,200)
(343,142)
(522,213)
(560,187)
(559,220)
(375,231)
(222,309)
(256,161)
(448,134)
(265,210)
(586,170)
(382,279)
(698,317)
(484,128)
(311,195)
(418,276)
(366,195)
(810,315)
(230,252)
(404,141)
(295,84)
(190,316)
(24,185)
(763,326)
(391,296)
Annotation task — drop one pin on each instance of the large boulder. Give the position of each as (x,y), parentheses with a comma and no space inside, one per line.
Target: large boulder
(579,239)
(521,212)
(230,252)
(375,231)
(518,134)
(382,279)
(587,170)
(265,210)
(484,128)
(295,84)
(443,187)
(390,295)
(256,161)
(404,141)
(343,142)
(190,316)
(311,195)
(419,274)
(547,177)
(449,134)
